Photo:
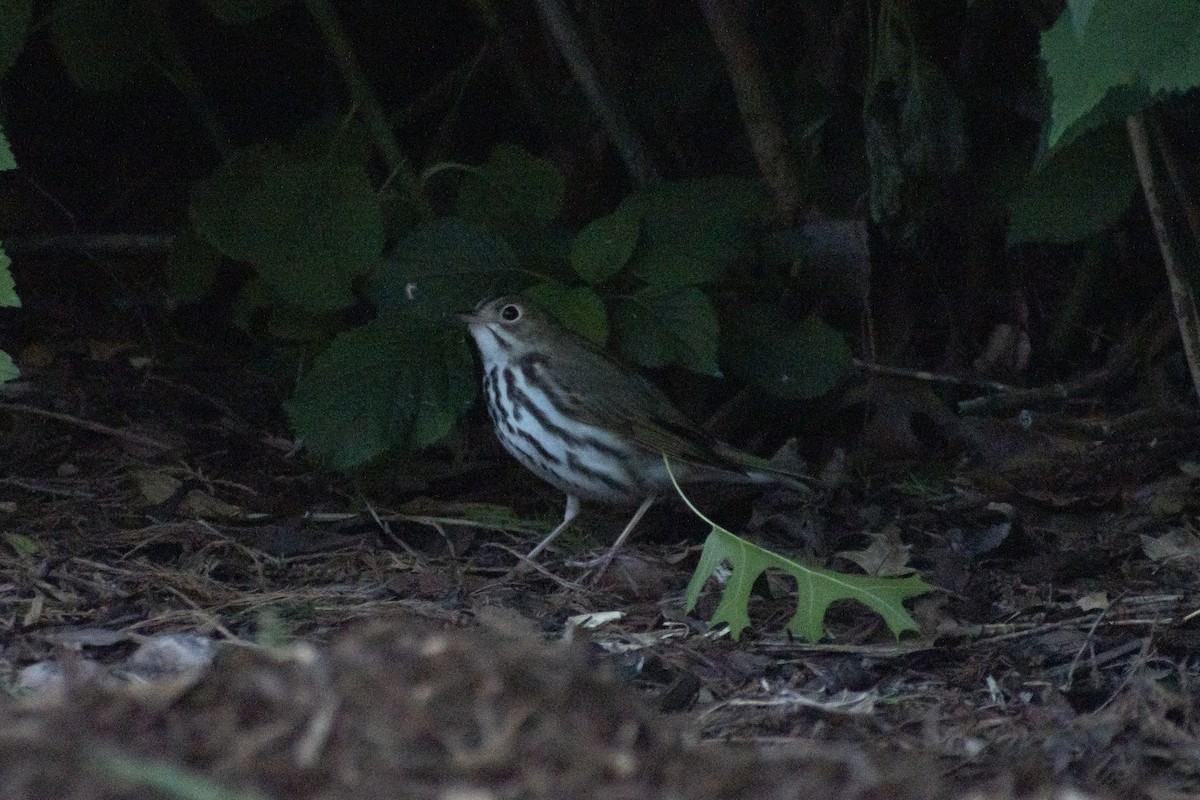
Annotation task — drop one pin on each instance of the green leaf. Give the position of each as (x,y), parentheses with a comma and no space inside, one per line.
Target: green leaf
(605,245)
(1082,189)
(398,381)
(8,288)
(1080,11)
(252,297)
(789,359)
(21,544)
(102,43)
(164,779)
(578,307)
(241,12)
(1151,47)
(658,327)
(816,588)
(540,252)
(14,24)
(191,267)
(290,324)
(7,160)
(443,266)
(513,190)
(310,225)
(692,231)
(8,368)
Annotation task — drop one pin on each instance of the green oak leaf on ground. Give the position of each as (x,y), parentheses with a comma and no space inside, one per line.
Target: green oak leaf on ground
(816,588)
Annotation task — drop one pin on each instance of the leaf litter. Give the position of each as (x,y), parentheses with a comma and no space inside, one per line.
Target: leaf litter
(221,618)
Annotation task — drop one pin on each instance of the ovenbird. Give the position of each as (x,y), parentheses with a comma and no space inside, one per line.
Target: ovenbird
(588,425)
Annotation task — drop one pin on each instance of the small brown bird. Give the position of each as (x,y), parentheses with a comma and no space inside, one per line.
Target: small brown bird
(588,425)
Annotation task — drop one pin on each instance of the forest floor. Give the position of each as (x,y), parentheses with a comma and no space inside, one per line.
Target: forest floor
(189,608)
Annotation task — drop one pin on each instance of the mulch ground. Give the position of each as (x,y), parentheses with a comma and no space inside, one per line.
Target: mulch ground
(191,608)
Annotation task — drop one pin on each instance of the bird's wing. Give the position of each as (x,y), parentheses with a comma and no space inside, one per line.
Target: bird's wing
(617,398)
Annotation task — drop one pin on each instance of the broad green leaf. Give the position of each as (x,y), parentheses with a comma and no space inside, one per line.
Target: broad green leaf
(8,368)
(191,266)
(816,588)
(396,382)
(541,252)
(290,324)
(692,231)
(577,307)
(102,43)
(252,297)
(605,245)
(1083,188)
(443,266)
(1150,47)
(8,288)
(1080,10)
(309,226)
(512,190)
(658,327)
(14,23)
(781,356)
(7,160)
(241,12)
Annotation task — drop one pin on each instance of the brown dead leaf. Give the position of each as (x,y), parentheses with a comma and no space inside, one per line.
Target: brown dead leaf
(156,487)
(885,556)
(1175,545)
(205,506)
(1095,601)
(36,356)
(1168,497)
(106,349)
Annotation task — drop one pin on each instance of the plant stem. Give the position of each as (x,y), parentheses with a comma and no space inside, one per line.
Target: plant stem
(364,97)
(760,113)
(1182,298)
(620,130)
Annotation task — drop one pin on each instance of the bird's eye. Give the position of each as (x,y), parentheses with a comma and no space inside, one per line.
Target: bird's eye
(510,313)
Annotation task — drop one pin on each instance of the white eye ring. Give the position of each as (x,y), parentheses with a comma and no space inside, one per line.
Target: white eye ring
(510,313)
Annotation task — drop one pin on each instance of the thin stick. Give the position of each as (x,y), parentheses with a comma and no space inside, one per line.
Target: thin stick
(1186,315)
(760,113)
(363,95)
(620,131)
(934,377)
(1175,173)
(87,424)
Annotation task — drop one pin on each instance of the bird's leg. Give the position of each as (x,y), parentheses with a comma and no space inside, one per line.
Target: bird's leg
(569,513)
(602,563)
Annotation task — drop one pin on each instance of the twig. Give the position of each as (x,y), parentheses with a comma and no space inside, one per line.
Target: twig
(524,565)
(509,60)
(1175,173)
(760,113)
(934,377)
(29,486)
(364,97)
(108,243)
(1186,315)
(1123,362)
(1088,640)
(620,131)
(87,424)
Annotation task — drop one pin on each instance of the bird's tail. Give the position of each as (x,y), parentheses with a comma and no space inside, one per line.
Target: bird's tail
(760,470)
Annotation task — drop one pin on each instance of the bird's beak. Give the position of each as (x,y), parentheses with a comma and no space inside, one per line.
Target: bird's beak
(470,319)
